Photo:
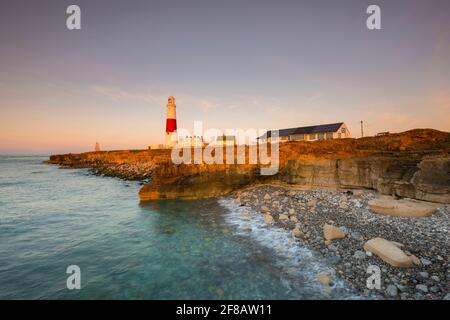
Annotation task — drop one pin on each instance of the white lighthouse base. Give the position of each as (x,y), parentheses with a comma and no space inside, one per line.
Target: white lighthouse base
(171,139)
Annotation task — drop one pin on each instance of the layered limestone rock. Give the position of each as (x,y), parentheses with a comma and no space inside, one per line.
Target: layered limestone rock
(427,179)
(126,164)
(432,180)
(197,181)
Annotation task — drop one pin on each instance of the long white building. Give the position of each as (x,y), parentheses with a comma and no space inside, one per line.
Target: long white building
(311,133)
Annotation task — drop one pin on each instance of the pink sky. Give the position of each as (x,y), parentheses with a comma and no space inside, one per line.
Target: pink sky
(229,64)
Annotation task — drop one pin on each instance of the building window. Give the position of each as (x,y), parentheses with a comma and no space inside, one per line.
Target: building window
(312,136)
(297,137)
(339,135)
(329,136)
(321,136)
(343,130)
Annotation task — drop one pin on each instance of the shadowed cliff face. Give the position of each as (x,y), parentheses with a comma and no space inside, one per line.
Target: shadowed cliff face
(424,179)
(194,181)
(414,164)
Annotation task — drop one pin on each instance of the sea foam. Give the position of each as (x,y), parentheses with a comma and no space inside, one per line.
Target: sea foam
(299,265)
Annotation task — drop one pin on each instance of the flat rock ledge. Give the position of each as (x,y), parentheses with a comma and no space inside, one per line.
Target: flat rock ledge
(389,252)
(402,208)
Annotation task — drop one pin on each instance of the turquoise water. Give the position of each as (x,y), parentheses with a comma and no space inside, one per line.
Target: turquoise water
(51,218)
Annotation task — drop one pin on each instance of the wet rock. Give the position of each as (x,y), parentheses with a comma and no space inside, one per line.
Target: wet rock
(333,260)
(325,279)
(296,232)
(268,219)
(391,290)
(245,216)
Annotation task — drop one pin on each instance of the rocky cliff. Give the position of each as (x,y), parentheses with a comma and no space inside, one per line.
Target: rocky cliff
(425,178)
(413,164)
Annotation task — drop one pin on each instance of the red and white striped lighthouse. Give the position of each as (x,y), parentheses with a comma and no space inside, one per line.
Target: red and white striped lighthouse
(171,122)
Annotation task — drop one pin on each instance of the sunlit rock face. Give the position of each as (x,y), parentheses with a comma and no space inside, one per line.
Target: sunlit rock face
(432,180)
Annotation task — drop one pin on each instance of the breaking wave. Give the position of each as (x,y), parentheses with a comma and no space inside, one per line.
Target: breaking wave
(299,264)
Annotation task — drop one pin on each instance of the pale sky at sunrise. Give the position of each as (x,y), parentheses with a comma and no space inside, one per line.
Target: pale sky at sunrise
(232,64)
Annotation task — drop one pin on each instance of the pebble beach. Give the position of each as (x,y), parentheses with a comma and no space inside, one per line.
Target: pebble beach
(306,212)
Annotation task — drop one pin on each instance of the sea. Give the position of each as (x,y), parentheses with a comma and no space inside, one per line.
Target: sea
(53,220)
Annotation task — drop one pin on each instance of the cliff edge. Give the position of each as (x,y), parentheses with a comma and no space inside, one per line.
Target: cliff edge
(413,164)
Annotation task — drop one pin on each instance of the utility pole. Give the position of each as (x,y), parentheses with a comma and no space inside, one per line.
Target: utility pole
(362,130)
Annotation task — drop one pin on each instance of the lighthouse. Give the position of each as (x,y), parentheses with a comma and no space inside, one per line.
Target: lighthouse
(171,123)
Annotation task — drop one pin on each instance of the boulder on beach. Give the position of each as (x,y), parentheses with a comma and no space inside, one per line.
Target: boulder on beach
(388,252)
(325,279)
(331,232)
(268,218)
(403,207)
(296,232)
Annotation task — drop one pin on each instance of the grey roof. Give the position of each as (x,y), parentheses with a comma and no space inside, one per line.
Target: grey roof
(323,128)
